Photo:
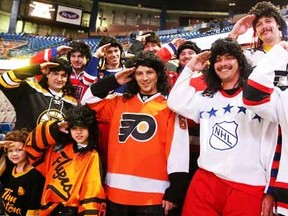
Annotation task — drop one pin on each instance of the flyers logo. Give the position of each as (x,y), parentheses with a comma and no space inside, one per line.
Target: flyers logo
(140,127)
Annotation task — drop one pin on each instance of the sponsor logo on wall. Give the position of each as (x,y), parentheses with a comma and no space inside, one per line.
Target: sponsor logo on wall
(69,15)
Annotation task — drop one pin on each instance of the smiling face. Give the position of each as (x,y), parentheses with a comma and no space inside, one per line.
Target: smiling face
(112,56)
(57,80)
(78,61)
(267,30)
(146,78)
(185,56)
(227,68)
(80,134)
(151,47)
(16,153)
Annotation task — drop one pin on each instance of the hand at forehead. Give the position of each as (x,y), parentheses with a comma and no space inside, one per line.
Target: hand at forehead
(6,144)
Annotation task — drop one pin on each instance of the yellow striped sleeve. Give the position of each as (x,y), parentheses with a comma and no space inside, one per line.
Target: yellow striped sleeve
(32,213)
(9,80)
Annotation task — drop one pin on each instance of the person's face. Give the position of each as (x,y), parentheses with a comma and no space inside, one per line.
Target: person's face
(146,78)
(78,60)
(112,56)
(80,134)
(267,30)
(16,153)
(227,69)
(151,47)
(185,56)
(57,80)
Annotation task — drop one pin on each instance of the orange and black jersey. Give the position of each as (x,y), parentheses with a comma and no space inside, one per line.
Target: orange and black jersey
(72,177)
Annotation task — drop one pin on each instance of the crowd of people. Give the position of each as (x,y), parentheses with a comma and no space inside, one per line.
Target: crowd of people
(106,134)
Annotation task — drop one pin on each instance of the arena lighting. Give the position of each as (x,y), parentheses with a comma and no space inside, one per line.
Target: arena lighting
(8,64)
(41,10)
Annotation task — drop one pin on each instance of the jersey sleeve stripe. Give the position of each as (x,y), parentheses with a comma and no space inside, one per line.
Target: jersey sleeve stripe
(123,181)
(260,87)
(90,200)
(253,103)
(8,80)
(256,94)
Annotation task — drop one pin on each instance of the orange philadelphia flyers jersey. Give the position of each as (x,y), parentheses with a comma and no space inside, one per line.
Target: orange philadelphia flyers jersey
(147,141)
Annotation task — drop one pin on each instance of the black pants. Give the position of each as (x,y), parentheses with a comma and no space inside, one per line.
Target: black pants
(61,210)
(114,209)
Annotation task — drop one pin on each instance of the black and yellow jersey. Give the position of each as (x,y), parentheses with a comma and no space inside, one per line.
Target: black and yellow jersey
(33,103)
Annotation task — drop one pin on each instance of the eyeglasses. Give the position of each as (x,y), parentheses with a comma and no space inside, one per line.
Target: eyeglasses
(17,151)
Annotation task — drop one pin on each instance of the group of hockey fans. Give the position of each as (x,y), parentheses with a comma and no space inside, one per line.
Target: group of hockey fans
(106,134)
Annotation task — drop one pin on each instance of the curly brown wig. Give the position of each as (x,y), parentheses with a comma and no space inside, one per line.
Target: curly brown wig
(83,116)
(222,47)
(113,43)
(64,65)
(147,59)
(267,9)
(82,47)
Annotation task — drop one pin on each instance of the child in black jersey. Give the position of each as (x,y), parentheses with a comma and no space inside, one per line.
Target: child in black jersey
(22,185)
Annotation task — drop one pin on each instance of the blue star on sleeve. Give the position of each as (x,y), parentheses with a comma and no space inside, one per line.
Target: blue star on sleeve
(257,117)
(242,109)
(212,112)
(201,114)
(228,108)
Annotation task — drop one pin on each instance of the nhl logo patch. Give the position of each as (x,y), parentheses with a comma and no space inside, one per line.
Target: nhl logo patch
(224,136)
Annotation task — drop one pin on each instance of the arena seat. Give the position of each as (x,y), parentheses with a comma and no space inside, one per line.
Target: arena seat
(6,127)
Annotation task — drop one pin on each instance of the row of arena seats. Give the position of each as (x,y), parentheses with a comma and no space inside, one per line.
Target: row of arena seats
(36,43)
(5,127)
(7,116)
(195,34)
(93,43)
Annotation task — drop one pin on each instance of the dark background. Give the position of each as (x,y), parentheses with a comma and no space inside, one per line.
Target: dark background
(242,6)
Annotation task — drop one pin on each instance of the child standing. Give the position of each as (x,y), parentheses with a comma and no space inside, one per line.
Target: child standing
(22,185)
(65,152)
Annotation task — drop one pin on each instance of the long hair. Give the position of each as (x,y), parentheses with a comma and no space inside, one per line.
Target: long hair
(222,47)
(80,46)
(113,43)
(147,59)
(65,66)
(83,116)
(267,9)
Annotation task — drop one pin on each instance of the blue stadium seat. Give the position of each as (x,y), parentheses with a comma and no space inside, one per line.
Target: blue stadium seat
(2,136)
(6,127)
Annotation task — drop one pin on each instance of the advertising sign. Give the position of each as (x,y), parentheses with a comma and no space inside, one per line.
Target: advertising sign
(69,15)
